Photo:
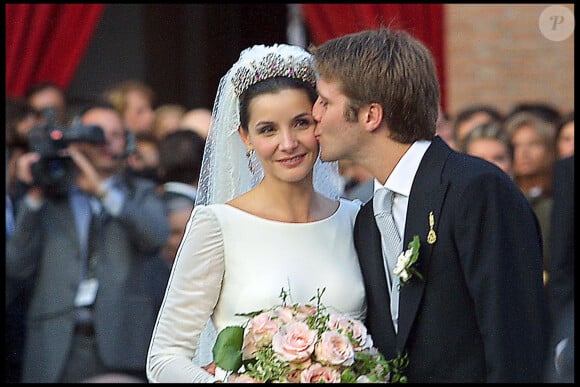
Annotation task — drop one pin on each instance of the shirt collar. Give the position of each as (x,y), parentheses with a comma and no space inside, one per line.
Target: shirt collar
(399,181)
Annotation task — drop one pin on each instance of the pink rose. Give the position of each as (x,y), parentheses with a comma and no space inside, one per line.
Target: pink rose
(285,314)
(319,374)
(259,334)
(304,311)
(295,344)
(355,328)
(334,349)
(243,378)
(293,376)
(300,313)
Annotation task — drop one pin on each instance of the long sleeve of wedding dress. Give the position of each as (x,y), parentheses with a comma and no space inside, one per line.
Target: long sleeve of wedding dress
(191,296)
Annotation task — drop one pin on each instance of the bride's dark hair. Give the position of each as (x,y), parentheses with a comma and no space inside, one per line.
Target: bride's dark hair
(271,86)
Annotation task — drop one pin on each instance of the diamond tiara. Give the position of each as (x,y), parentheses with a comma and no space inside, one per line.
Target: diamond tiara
(273,65)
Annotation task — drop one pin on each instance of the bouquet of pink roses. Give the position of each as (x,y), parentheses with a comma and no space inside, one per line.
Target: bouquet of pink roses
(303,344)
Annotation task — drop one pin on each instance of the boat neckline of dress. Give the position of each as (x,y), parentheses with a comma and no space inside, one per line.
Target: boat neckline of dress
(340,203)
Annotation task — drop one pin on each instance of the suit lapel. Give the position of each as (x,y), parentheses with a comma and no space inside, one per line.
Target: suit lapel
(427,195)
(371,256)
(371,250)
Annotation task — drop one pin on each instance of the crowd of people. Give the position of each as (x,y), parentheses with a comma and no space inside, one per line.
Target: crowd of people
(127,238)
(128,183)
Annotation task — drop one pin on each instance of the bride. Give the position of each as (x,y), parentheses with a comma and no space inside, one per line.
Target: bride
(267,215)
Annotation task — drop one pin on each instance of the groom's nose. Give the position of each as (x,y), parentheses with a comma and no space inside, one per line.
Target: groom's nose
(316,110)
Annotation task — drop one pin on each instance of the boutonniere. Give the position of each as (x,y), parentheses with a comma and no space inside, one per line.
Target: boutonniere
(404,269)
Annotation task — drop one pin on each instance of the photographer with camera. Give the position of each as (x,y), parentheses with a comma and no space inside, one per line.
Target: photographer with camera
(48,96)
(87,236)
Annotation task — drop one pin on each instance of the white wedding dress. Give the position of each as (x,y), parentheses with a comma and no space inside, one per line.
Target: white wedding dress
(232,262)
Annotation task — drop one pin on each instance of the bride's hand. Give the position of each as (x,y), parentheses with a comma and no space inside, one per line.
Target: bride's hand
(210,368)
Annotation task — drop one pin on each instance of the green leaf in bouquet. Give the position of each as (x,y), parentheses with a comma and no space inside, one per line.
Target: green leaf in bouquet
(227,350)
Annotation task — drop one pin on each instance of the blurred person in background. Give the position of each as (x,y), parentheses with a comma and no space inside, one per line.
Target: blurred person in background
(198,120)
(467,118)
(565,136)
(167,119)
(86,246)
(134,100)
(444,129)
(358,182)
(179,207)
(143,159)
(534,146)
(48,99)
(490,142)
(180,158)
(20,119)
(542,110)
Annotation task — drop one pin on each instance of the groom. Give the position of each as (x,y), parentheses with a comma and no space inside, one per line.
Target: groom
(474,311)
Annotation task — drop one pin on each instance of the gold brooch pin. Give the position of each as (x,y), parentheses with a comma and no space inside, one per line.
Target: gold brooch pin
(431,237)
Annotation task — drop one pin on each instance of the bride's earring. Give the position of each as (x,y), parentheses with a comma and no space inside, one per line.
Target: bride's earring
(249,155)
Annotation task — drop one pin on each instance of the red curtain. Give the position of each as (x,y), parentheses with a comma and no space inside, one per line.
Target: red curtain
(424,21)
(45,42)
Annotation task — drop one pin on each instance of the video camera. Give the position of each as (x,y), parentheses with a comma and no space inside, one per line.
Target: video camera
(55,172)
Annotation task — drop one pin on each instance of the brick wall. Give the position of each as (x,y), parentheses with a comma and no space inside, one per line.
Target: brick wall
(497,55)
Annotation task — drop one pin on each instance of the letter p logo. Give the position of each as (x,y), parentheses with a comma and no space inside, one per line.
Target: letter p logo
(556,23)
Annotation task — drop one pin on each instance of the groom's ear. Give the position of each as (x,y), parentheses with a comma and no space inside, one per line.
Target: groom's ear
(245,136)
(371,116)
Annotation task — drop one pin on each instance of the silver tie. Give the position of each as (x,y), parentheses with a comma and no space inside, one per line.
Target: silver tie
(391,243)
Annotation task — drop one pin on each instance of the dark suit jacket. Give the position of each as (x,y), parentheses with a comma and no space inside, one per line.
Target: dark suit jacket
(46,249)
(479,314)
(562,272)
